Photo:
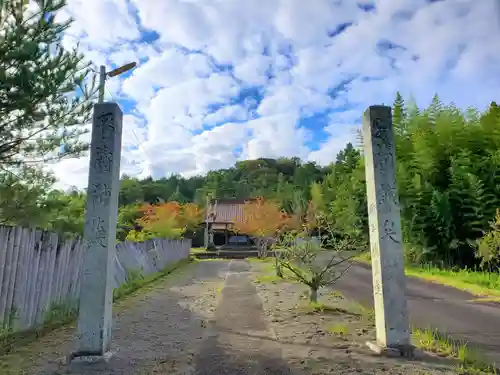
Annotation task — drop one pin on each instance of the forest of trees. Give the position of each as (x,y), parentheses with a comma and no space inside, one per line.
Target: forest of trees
(448,160)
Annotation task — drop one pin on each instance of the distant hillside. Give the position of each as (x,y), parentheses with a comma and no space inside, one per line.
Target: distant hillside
(283,179)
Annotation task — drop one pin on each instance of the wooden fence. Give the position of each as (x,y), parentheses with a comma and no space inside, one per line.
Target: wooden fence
(40,271)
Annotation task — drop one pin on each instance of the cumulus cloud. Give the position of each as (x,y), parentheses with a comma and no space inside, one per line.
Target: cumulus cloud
(221,81)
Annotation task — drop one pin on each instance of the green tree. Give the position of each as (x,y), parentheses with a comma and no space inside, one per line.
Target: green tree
(127,218)
(65,211)
(131,191)
(448,177)
(489,245)
(45,90)
(23,197)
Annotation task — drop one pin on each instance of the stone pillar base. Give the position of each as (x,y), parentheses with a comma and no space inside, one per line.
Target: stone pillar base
(407,351)
(87,358)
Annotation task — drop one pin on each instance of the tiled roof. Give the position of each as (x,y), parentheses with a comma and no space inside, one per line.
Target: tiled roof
(226,210)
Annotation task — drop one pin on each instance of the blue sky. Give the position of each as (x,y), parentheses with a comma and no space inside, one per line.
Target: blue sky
(223,80)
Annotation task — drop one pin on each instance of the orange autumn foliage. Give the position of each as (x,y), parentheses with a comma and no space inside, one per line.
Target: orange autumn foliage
(154,213)
(191,215)
(262,219)
(166,220)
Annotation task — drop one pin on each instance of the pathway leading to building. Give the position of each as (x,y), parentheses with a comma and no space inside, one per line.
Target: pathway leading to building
(242,342)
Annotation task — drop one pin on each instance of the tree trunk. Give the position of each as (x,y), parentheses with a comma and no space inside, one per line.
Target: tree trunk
(277,265)
(262,247)
(313,295)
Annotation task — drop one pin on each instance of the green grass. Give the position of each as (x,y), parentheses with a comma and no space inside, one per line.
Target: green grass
(338,330)
(480,283)
(198,250)
(313,308)
(366,314)
(260,260)
(470,360)
(61,315)
(136,280)
(58,315)
(269,272)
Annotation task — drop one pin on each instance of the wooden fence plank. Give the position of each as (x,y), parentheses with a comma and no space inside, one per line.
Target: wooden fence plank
(6,285)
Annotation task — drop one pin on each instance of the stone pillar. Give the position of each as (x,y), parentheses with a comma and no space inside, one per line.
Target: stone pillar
(205,235)
(211,235)
(96,296)
(389,290)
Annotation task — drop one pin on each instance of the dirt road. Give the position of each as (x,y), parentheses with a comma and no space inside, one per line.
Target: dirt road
(441,307)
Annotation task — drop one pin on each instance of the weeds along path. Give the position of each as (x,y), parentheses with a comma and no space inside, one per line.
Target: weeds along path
(155,331)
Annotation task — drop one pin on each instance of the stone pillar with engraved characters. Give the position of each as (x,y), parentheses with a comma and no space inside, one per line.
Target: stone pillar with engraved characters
(96,298)
(391,312)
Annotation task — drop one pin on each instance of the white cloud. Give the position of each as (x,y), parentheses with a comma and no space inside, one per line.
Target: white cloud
(276,136)
(71,172)
(102,23)
(190,113)
(339,135)
(253,70)
(227,113)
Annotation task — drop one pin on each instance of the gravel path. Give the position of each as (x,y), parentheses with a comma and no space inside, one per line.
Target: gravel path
(158,332)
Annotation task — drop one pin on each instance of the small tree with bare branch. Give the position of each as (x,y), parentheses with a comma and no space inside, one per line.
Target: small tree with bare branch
(305,260)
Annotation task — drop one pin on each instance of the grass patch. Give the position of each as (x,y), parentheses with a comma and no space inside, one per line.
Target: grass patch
(198,250)
(61,315)
(321,308)
(364,257)
(479,283)
(212,260)
(268,269)
(57,316)
(486,299)
(260,260)
(269,279)
(136,280)
(338,330)
(471,361)
(367,315)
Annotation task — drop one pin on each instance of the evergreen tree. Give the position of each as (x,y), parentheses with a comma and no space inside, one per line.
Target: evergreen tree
(44,100)
(23,197)
(398,114)
(177,196)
